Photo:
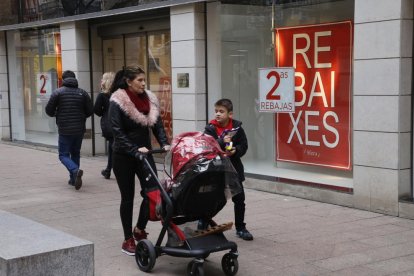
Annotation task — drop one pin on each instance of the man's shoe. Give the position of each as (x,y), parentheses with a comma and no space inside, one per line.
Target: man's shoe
(78,179)
(244,234)
(202,225)
(128,247)
(139,235)
(106,174)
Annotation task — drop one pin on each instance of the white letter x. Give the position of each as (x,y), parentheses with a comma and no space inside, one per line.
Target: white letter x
(295,128)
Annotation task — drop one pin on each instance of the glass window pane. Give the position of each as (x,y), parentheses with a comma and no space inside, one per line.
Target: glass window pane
(36,68)
(136,51)
(113,54)
(159,74)
(245,30)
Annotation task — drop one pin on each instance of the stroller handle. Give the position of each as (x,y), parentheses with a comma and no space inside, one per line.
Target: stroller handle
(141,155)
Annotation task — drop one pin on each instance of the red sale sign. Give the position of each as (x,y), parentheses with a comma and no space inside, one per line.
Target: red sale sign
(319,131)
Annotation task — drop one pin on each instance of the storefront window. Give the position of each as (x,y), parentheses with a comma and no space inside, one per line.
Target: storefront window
(246,45)
(35,68)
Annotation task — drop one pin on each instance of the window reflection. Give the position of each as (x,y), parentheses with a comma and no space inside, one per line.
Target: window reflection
(21,11)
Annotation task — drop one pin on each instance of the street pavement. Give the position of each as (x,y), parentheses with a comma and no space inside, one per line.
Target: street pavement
(292,236)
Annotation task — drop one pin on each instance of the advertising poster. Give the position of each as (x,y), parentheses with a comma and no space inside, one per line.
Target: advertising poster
(319,131)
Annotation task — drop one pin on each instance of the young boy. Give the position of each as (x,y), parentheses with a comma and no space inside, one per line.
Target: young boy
(236,146)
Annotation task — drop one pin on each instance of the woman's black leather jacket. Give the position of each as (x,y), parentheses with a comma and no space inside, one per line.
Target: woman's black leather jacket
(131,128)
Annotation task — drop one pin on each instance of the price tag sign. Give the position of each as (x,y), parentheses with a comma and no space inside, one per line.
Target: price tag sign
(277,89)
(44,84)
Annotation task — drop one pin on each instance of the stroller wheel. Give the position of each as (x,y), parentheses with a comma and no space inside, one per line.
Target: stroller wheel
(230,264)
(145,255)
(195,269)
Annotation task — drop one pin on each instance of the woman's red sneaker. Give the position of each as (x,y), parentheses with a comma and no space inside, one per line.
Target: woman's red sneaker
(139,235)
(128,247)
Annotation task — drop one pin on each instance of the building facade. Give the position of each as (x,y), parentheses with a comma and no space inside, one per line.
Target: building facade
(349,140)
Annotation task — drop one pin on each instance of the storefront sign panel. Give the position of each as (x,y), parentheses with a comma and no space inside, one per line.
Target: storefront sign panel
(276,89)
(319,131)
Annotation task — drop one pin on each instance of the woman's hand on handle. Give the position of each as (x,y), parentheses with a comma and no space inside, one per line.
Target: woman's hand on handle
(143,150)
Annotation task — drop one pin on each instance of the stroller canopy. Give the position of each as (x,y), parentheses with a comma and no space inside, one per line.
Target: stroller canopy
(196,161)
(188,147)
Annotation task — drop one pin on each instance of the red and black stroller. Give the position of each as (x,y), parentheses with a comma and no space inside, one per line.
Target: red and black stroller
(200,180)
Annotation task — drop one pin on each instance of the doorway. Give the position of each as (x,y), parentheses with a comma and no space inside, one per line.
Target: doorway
(152,52)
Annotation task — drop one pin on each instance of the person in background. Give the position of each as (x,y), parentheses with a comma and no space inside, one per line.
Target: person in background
(71,106)
(235,146)
(101,109)
(133,112)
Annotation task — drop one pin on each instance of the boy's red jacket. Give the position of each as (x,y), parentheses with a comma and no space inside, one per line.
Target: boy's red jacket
(220,129)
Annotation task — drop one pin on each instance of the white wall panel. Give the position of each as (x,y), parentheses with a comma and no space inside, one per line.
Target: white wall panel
(376,149)
(376,76)
(378,40)
(376,113)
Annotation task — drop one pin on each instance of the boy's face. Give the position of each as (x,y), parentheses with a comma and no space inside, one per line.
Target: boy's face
(222,116)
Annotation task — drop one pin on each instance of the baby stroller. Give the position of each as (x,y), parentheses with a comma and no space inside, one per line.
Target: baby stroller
(200,180)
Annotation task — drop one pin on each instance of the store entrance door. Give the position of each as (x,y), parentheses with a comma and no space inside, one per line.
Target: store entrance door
(152,52)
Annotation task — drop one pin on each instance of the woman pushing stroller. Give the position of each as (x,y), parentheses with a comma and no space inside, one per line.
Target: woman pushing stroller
(133,111)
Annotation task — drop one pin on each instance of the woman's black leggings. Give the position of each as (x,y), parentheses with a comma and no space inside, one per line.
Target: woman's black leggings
(109,164)
(125,168)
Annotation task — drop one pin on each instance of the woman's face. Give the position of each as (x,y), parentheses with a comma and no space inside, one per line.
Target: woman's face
(137,85)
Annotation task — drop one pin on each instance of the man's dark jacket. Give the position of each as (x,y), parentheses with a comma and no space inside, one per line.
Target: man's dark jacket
(239,142)
(71,106)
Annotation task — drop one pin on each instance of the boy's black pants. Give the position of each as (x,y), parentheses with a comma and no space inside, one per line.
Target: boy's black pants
(239,210)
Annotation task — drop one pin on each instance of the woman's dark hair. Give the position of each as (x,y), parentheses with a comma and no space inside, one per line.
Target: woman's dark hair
(129,72)
(119,82)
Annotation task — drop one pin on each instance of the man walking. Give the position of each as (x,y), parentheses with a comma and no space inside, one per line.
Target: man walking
(71,106)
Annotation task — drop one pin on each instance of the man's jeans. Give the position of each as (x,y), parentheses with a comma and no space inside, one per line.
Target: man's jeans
(69,153)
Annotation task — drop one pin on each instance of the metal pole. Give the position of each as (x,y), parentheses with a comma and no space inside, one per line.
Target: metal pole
(273,30)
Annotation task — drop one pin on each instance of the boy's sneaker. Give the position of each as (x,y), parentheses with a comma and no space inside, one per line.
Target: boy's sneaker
(128,247)
(140,235)
(202,225)
(244,234)
(78,179)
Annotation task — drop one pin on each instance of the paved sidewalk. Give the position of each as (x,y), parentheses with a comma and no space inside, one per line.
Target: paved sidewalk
(292,236)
